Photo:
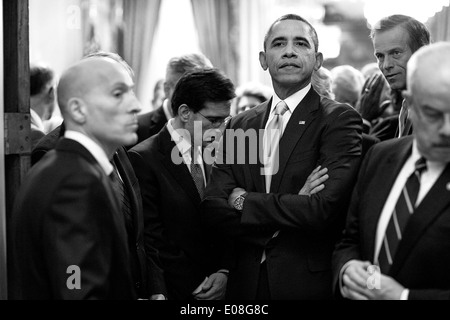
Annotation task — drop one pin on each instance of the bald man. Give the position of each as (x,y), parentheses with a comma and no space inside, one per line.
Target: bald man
(397,241)
(69,237)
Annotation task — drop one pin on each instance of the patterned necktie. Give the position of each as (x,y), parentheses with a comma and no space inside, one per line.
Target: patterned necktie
(404,123)
(197,175)
(122,193)
(272,136)
(404,208)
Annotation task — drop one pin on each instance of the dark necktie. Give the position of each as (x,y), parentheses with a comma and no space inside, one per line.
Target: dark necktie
(124,198)
(197,175)
(404,208)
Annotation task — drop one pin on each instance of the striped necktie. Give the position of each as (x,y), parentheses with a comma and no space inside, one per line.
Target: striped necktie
(197,175)
(404,208)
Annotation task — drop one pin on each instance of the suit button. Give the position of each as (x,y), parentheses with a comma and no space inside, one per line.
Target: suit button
(137,245)
(138,284)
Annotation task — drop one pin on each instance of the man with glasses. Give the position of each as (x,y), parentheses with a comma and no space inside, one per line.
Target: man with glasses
(173,169)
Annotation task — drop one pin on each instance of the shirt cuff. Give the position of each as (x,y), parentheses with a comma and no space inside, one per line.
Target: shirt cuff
(224,271)
(405,294)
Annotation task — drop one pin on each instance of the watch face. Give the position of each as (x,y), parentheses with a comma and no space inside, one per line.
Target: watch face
(238,203)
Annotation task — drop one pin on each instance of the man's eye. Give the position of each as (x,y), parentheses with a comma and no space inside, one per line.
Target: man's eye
(117,94)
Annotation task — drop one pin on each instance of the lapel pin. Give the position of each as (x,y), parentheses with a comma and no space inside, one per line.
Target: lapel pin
(448,186)
(302,122)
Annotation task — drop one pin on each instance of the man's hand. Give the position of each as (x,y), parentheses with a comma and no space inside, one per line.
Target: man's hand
(369,104)
(214,288)
(158,297)
(389,289)
(314,182)
(356,284)
(236,193)
(354,280)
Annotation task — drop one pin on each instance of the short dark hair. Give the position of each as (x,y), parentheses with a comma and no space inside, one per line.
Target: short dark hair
(39,77)
(292,16)
(418,33)
(196,88)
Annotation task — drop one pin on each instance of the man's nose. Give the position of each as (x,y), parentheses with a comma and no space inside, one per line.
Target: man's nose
(387,63)
(445,129)
(135,104)
(289,51)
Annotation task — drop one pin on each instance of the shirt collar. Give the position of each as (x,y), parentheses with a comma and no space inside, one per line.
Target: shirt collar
(292,101)
(97,152)
(36,120)
(183,144)
(433,165)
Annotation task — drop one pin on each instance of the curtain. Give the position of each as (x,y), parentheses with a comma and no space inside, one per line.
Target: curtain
(439,25)
(217,32)
(140,21)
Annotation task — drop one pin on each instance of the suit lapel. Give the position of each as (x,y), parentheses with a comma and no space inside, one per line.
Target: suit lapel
(180,172)
(257,122)
(301,119)
(386,176)
(431,207)
(123,166)
(71,146)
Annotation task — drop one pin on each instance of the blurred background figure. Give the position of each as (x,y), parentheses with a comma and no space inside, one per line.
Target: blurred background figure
(151,123)
(250,95)
(347,83)
(370,69)
(158,94)
(321,82)
(42,99)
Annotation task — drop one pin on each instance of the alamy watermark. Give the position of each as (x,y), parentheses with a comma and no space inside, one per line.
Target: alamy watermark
(74,280)
(232,146)
(374,279)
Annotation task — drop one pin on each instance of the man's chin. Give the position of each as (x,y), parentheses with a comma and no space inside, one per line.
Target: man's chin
(130,140)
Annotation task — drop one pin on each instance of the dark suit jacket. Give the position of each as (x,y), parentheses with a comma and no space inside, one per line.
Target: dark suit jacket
(422,260)
(47,143)
(171,210)
(66,214)
(320,131)
(151,123)
(146,270)
(367,142)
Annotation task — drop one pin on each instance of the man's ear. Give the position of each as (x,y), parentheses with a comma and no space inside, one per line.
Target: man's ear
(319,61)
(77,110)
(263,60)
(184,112)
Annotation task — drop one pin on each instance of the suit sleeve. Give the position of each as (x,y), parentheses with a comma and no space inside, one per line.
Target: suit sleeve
(153,227)
(349,246)
(80,231)
(340,152)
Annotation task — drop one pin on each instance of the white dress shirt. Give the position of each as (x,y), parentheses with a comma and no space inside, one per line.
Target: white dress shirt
(97,152)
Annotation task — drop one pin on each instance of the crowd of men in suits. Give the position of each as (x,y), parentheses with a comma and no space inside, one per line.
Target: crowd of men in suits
(292,211)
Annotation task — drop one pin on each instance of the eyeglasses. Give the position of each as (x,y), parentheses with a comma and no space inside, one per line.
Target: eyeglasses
(216,122)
